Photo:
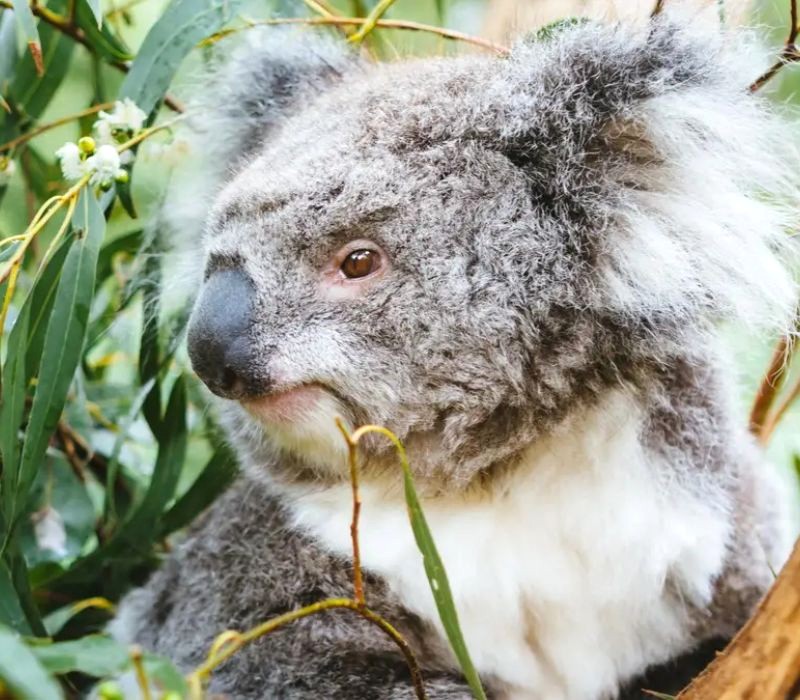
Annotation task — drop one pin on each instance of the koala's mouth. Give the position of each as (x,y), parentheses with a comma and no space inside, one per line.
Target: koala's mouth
(292,405)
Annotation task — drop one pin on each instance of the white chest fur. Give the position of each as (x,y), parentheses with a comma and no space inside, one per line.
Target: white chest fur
(558,574)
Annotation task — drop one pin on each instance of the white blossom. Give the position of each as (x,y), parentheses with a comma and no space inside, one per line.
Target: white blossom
(49,531)
(102,131)
(125,116)
(69,156)
(104,165)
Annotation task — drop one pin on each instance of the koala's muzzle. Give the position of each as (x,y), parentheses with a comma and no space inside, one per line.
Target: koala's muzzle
(219,336)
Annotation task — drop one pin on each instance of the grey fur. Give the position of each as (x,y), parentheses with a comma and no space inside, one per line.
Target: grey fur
(510,196)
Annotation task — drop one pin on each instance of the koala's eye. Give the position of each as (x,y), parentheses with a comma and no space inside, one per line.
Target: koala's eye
(360,263)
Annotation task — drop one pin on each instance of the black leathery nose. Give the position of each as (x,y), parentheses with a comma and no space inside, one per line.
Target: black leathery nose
(218,339)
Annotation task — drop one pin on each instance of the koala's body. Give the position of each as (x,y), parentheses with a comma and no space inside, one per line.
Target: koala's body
(517,264)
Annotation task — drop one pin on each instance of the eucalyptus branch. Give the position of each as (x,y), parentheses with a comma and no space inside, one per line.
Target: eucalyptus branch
(789,54)
(352,448)
(48,210)
(230,641)
(371,20)
(27,136)
(358,21)
(68,27)
(771,384)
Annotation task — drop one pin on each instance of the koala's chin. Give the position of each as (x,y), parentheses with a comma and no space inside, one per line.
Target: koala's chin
(300,423)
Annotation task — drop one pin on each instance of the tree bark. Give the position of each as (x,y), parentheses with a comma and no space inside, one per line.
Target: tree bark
(763,661)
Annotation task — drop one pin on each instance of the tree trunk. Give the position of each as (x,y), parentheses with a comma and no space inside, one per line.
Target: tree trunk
(763,661)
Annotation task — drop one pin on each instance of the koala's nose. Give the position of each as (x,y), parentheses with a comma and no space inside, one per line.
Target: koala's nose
(218,339)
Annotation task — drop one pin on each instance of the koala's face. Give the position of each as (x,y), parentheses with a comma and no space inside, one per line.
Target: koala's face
(435,247)
(347,278)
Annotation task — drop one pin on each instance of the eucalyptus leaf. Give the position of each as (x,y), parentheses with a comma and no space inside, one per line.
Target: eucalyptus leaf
(31,93)
(182,25)
(21,672)
(27,26)
(216,476)
(64,338)
(95,655)
(104,41)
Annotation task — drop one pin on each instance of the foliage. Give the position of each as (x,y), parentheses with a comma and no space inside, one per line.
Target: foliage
(106,446)
(107,449)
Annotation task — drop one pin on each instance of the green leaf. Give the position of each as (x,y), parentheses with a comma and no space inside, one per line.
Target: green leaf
(216,476)
(126,243)
(57,493)
(64,339)
(437,576)
(439,11)
(8,50)
(133,539)
(125,427)
(142,526)
(11,612)
(107,44)
(27,25)
(12,408)
(95,655)
(20,578)
(94,6)
(183,24)
(55,621)
(22,673)
(31,93)
(163,673)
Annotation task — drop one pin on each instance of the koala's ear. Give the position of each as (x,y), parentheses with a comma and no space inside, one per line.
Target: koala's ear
(270,75)
(645,145)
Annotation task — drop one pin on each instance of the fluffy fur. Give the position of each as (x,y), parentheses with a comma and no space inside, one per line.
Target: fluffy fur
(565,229)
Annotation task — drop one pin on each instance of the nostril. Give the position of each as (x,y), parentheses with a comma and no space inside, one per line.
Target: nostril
(228,378)
(231,383)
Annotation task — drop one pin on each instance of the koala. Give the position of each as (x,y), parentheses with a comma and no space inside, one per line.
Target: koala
(520,265)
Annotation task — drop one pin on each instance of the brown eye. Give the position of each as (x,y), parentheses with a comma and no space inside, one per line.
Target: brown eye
(360,263)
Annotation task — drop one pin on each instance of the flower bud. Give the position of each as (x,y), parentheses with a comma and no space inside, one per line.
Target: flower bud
(87,145)
(109,690)
(121,176)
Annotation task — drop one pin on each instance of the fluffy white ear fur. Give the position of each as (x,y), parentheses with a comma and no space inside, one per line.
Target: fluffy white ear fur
(715,231)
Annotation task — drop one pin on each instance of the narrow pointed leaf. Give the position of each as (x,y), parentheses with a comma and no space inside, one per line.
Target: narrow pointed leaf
(104,40)
(177,31)
(437,576)
(212,481)
(21,673)
(95,655)
(64,338)
(27,26)
(94,6)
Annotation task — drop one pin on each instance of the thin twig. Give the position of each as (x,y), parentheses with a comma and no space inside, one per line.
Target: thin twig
(67,26)
(28,135)
(789,53)
(54,204)
(356,21)
(770,384)
(141,676)
(352,450)
(372,20)
(771,422)
(234,642)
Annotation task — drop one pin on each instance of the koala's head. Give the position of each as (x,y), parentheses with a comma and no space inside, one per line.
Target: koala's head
(464,250)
